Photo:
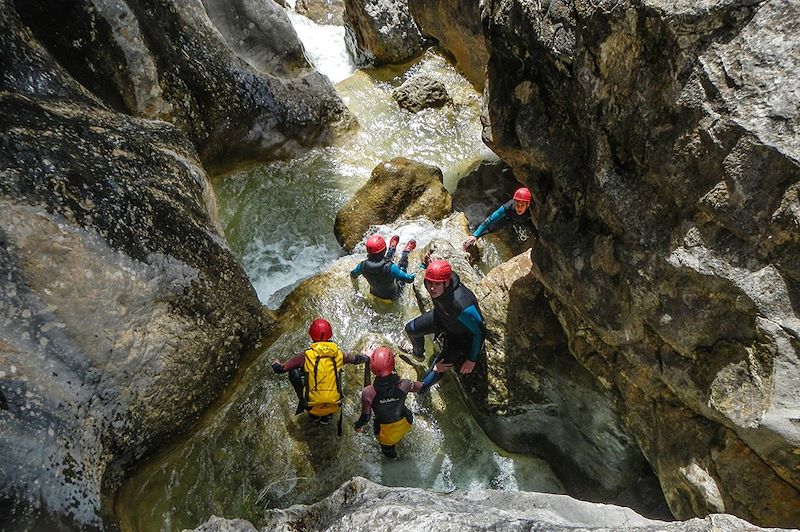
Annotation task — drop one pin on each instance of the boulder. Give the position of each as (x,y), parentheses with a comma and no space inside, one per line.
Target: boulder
(261,33)
(378,32)
(329,12)
(662,141)
(124,312)
(361,505)
(168,60)
(456,25)
(399,188)
(421,92)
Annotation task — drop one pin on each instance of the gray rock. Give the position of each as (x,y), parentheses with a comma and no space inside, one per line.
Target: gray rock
(123,313)
(540,400)
(381,31)
(421,92)
(168,60)
(456,24)
(260,32)
(661,139)
(361,505)
(396,188)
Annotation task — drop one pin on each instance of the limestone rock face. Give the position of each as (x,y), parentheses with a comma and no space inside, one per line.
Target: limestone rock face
(663,142)
(229,74)
(421,92)
(456,24)
(260,32)
(396,188)
(381,31)
(123,313)
(322,11)
(361,505)
(541,400)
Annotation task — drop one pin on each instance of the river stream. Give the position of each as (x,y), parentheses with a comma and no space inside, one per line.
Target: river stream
(250,453)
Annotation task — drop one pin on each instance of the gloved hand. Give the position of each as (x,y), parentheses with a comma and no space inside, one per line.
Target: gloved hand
(277,367)
(361,359)
(469,242)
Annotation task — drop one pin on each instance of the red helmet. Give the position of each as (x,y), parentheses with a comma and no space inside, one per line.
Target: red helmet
(320,330)
(522,194)
(438,271)
(375,244)
(382,362)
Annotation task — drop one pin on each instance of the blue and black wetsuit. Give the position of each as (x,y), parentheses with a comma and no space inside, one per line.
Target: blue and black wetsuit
(386,279)
(456,315)
(501,217)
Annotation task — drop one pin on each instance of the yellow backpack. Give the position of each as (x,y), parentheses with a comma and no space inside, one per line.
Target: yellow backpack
(323,369)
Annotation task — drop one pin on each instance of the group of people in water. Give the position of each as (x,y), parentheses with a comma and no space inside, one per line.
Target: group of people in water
(456,319)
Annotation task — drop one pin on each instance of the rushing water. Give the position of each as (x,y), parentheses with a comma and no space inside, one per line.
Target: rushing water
(251,453)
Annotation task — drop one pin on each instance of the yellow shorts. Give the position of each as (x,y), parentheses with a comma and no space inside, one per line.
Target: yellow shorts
(391,433)
(323,409)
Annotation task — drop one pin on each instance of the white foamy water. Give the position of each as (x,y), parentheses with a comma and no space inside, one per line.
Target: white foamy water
(324,46)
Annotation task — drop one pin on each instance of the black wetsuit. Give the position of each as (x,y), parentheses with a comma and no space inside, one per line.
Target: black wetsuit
(501,217)
(386,279)
(457,315)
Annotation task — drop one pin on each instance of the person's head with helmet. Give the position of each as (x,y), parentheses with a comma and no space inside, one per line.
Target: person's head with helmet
(376,245)
(437,277)
(381,362)
(320,330)
(522,200)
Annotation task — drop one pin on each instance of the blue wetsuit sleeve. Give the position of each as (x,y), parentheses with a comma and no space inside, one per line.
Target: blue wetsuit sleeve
(356,271)
(471,319)
(397,273)
(491,222)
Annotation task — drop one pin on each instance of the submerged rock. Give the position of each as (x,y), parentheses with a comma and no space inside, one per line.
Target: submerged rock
(322,11)
(361,505)
(396,188)
(381,31)
(661,139)
(421,92)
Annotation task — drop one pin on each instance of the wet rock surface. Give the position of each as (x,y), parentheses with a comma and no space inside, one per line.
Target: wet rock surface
(207,68)
(396,188)
(381,31)
(661,141)
(322,11)
(456,25)
(124,312)
(421,92)
(363,505)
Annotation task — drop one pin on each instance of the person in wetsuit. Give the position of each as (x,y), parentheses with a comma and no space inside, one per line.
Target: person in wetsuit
(456,315)
(304,371)
(386,397)
(386,279)
(513,211)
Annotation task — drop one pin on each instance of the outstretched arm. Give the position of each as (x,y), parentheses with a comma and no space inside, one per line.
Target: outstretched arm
(356,271)
(294,362)
(367,396)
(472,320)
(492,222)
(397,273)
